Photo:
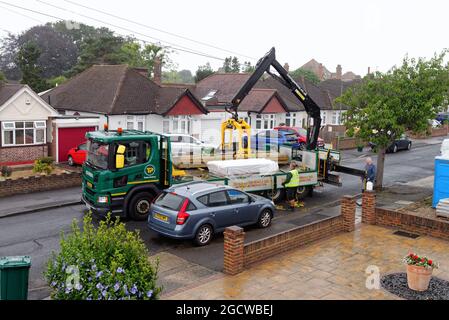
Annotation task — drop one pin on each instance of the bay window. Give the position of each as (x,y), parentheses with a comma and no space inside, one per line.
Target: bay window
(16,133)
(135,123)
(177,124)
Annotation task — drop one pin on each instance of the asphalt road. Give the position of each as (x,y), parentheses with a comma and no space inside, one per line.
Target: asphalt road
(38,234)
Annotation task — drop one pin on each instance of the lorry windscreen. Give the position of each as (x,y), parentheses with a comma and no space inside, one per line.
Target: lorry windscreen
(97,154)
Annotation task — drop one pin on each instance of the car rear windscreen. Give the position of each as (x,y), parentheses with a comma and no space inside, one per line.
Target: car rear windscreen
(170,201)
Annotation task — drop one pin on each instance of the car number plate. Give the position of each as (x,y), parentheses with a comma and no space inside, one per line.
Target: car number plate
(161,217)
(89,184)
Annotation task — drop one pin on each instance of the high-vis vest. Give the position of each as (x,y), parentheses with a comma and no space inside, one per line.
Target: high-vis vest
(294,181)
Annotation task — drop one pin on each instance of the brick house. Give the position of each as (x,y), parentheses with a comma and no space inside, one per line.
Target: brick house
(25,122)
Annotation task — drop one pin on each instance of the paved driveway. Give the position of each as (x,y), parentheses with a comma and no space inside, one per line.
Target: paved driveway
(334,268)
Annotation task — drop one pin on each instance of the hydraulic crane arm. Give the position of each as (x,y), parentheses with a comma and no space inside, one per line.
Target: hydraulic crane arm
(264,64)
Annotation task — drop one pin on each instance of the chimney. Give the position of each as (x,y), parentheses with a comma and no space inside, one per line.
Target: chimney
(321,72)
(286,67)
(338,72)
(157,70)
(369,70)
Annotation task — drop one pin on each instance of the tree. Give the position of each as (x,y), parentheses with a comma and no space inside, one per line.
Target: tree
(227,65)
(203,72)
(186,76)
(385,105)
(150,52)
(102,50)
(27,59)
(171,76)
(247,67)
(235,65)
(53,82)
(307,74)
(2,77)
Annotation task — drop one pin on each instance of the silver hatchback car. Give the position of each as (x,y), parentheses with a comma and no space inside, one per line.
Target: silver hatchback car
(198,210)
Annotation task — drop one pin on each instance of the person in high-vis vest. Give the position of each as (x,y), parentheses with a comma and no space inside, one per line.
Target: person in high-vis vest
(291,184)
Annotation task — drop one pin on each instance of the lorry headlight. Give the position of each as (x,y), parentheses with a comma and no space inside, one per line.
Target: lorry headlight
(103,199)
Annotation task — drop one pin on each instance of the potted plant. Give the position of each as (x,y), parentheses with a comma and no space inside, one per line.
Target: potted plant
(360,146)
(419,271)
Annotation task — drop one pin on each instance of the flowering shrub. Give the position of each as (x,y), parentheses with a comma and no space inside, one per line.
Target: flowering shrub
(104,263)
(415,260)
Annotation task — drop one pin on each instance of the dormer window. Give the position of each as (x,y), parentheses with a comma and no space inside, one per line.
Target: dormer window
(210,95)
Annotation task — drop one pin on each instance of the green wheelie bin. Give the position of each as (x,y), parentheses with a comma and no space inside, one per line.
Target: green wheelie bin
(14,273)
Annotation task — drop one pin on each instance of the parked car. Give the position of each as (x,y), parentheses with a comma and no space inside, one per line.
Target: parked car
(301,134)
(77,155)
(403,143)
(442,117)
(184,144)
(198,210)
(434,123)
(269,138)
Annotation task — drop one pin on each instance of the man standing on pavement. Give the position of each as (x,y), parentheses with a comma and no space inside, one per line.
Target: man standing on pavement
(370,170)
(291,184)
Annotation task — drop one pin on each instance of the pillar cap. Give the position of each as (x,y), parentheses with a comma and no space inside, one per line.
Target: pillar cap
(234,229)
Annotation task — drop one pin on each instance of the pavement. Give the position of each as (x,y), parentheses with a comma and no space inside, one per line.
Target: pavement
(345,267)
(38,234)
(38,201)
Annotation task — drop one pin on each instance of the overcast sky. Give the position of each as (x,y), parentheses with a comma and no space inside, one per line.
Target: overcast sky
(355,34)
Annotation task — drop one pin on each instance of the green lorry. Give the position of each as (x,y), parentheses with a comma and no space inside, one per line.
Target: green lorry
(126,170)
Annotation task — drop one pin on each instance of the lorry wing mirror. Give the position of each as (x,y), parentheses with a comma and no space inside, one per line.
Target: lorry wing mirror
(120,157)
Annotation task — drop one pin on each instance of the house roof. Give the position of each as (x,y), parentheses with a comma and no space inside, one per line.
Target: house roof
(336,87)
(115,89)
(257,100)
(226,86)
(7,90)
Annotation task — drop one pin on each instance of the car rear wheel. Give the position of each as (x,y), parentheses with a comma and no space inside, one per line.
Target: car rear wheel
(409,146)
(204,235)
(265,219)
(139,207)
(70,161)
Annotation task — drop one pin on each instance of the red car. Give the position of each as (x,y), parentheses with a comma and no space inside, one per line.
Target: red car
(77,155)
(301,133)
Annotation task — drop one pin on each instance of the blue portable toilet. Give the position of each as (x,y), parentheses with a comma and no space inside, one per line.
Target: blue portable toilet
(441,180)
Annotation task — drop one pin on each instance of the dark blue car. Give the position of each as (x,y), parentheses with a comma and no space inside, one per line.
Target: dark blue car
(274,138)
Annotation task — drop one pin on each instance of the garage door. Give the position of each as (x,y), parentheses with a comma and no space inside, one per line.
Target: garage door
(210,131)
(69,138)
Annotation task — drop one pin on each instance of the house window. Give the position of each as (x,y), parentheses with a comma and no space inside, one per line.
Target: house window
(323,118)
(259,121)
(135,123)
(165,126)
(335,117)
(269,121)
(177,124)
(290,119)
(23,133)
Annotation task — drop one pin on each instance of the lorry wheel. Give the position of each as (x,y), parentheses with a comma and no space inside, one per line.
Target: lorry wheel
(302,192)
(139,207)
(70,161)
(275,195)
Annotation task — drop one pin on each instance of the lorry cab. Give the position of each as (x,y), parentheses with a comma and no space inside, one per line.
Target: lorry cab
(124,171)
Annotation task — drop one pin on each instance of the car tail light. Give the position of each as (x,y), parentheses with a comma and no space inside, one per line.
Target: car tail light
(182,214)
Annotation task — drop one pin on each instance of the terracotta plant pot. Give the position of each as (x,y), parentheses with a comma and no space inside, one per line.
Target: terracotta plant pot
(418,278)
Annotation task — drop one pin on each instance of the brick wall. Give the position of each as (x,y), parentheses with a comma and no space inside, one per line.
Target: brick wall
(344,143)
(22,154)
(439,132)
(401,220)
(262,249)
(412,223)
(39,183)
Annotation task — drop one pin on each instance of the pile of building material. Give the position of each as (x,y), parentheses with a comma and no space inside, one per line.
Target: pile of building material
(242,167)
(443,208)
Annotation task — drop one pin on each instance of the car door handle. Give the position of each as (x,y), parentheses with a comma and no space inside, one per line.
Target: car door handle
(236,210)
(212,214)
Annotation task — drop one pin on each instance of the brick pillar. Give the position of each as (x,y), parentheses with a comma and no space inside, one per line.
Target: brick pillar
(369,207)
(348,213)
(233,250)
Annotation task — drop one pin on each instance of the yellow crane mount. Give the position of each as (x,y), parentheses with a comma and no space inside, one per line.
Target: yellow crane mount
(242,147)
